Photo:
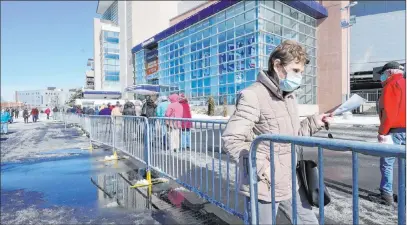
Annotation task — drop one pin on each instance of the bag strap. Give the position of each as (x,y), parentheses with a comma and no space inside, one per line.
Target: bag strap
(301,152)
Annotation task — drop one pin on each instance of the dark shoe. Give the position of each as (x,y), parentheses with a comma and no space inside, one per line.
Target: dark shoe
(388,199)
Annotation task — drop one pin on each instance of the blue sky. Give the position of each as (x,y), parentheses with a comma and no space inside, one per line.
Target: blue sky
(45,44)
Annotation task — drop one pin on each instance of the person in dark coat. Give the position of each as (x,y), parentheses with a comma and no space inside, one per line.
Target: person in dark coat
(90,111)
(16,113)
(148,109)
(26,114)
(129,109)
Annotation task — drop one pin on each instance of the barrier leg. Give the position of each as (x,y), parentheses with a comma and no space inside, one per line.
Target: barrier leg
(402,191)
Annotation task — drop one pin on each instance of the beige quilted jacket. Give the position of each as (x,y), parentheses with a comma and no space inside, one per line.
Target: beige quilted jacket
(263,109)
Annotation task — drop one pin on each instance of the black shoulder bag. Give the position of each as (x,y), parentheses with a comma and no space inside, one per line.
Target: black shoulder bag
(307,172)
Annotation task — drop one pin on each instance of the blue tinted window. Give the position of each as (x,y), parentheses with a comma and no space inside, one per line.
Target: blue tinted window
(221,27)
(231,89)
(250,75)
(222,37)
(231,78)
(222,79)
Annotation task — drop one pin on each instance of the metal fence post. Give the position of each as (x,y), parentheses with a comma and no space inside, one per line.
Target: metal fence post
(114,134)
(402,191)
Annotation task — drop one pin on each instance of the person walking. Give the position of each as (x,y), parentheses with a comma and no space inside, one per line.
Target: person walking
(185,125)
(10,112)
(4,118)
(26,115)
(16,113)
(174,110)
(47,111)
(392,114)
(34,113)
(269,106)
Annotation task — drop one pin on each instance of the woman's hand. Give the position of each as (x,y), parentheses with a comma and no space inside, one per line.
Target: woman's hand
(324,119)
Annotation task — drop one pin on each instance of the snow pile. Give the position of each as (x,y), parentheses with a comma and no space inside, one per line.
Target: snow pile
(142,182)
(29,140)
(357,120)
(112,204)
(203,116)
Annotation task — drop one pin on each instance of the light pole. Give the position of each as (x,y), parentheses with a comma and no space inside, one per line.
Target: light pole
(345,24)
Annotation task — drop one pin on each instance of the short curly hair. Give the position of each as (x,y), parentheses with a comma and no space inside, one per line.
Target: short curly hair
(287,52)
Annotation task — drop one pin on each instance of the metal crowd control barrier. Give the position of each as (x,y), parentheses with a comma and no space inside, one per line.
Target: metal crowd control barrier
(189,151)
(380,150)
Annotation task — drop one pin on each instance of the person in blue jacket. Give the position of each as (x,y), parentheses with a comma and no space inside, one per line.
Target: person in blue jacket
(160,112)
(5,117)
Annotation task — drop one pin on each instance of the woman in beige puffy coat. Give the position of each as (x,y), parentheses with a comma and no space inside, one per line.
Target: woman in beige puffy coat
(270,106)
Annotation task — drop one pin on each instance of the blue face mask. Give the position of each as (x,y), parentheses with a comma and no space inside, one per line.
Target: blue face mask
(291,82)
(383,77)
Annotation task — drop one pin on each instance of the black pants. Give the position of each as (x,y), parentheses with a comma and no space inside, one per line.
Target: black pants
(47,116)
(26,119)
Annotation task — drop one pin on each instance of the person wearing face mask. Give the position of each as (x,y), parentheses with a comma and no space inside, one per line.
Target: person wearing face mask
(392,113)
(269,106)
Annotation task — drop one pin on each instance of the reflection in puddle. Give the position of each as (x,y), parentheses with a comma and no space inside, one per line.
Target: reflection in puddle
(81,188)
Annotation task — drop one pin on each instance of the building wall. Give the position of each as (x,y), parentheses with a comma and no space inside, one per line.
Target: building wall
(150,18)
(90,79)
(138,21)
(374,46)
(43,99)
(107,49)
(110,58)
(331,57)
(96,53)
(189,8)
(222,55)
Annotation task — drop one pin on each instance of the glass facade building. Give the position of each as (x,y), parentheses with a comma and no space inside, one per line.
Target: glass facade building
(110,49)
(112,13)
(110,54)
(222,54)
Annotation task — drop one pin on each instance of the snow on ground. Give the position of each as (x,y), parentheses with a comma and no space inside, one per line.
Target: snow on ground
(357,120)
(204,116)
(339,210)
(32,139)
(354,120)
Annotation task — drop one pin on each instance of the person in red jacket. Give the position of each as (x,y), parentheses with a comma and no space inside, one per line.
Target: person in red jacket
(47,111)
(392,113)
(34,113)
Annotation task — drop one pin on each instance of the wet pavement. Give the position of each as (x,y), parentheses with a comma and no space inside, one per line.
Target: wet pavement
(59,190)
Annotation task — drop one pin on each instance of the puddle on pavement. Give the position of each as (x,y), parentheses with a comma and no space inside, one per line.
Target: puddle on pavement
(81,188)
(60,190)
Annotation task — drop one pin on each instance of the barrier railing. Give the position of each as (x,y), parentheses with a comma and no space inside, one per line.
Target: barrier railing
(356,148)
(189,151)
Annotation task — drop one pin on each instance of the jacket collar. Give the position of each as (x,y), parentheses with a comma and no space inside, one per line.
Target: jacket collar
(271,82)
(392,78)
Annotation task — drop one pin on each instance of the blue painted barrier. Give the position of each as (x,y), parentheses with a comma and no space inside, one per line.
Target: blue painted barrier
(373,149)
(183,166)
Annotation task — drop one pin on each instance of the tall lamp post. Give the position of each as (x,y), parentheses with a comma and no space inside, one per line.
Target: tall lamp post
(346,24)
